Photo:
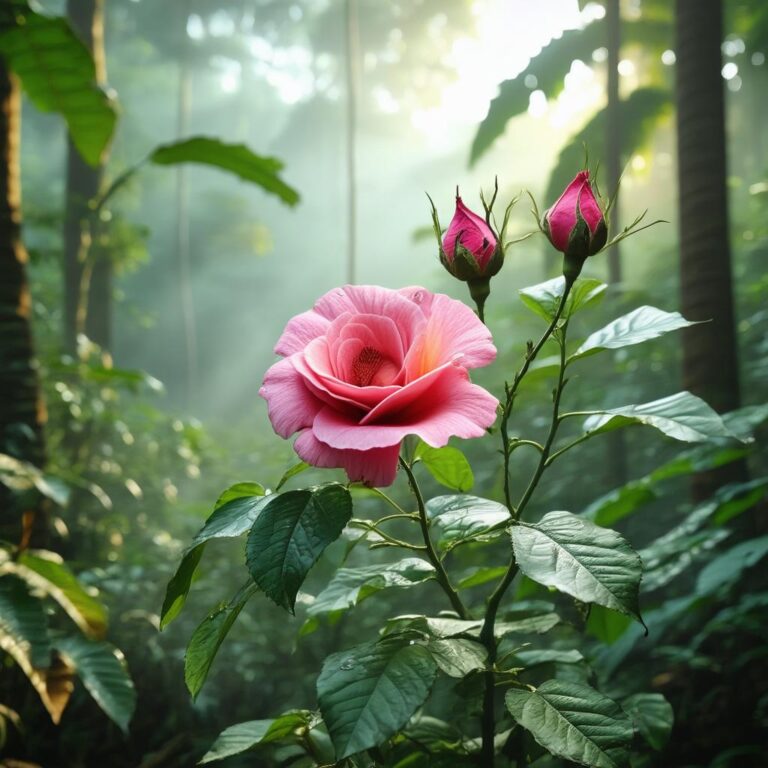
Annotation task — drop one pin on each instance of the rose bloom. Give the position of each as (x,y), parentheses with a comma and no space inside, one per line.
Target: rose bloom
(367,366)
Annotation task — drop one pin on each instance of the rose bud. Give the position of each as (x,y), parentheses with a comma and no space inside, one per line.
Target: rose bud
(470,250)
(576,225)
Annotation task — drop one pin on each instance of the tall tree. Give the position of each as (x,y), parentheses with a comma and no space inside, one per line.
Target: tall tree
(83,183)
(710,358)
(22,412)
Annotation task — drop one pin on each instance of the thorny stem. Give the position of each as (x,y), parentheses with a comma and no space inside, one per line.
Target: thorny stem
(511,390)
(487,638)
(440,572)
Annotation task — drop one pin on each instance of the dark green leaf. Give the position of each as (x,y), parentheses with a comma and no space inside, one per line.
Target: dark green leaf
(682,416)
(725,569)
(640,325)
(235,158)
(592,564)
(290,534)
(23,625)
(482,576)
(531,658)
(574,721)
(461,518)
(44,571)
(208,637)
(102,670)
(58,75)
(447,465)
(544,298)
(458,657)
(243,736)
(652,715)
(606,625)
(350,586)
(369,692)
(230,519)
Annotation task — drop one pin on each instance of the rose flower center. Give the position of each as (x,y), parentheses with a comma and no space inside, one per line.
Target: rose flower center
(366,365)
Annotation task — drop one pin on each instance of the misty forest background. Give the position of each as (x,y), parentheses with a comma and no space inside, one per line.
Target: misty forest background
(156,274)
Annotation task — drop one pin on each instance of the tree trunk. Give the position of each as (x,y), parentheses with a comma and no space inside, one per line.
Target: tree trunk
(87,297)
(710,358)
(22,412)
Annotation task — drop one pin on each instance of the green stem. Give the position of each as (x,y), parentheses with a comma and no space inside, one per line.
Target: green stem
(440,572)
(371,526)
(566,448)
(487,638)
(507,444)
(392,503)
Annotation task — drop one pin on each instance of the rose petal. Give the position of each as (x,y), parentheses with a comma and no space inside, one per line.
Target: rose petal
(300,331)
(377,467)
(452,406)
(452,329)
(561,217)
(291,405)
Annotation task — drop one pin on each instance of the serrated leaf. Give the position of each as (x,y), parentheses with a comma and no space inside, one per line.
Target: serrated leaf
(544,298)
(235,158)
(104,676)
(642,324)
(653,717)
(231,518)
(458,657)
(462,518)
(448,465)
(208,637)
(58,75)
(369,692)
(590,563)
(42,571)
(350,586)
(682,416)
(244,736)
(290,534)
(574,721)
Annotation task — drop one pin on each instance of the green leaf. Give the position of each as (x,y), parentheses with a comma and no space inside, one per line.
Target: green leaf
(481,576)
(58,75)
(592,564)
(544,298)
(23,624)
(574,721)
(244,736)
(44,571)
(208,637)
(619,503)
(235,158)
(102,670)
(463,518)
(296,469)
(653,717)
(640,325)
(369,692)
(448,465)
(458,657)
(231,518)
(606,625)
(682,416)
(725,569)
(289,536)
(531,658)
(350,586)
(239,491)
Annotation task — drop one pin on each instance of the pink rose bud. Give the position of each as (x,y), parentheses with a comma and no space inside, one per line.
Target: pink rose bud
(575,224)
(469,246)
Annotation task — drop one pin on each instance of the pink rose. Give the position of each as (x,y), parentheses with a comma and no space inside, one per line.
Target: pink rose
(469,237)
(575,224)
(368,366)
